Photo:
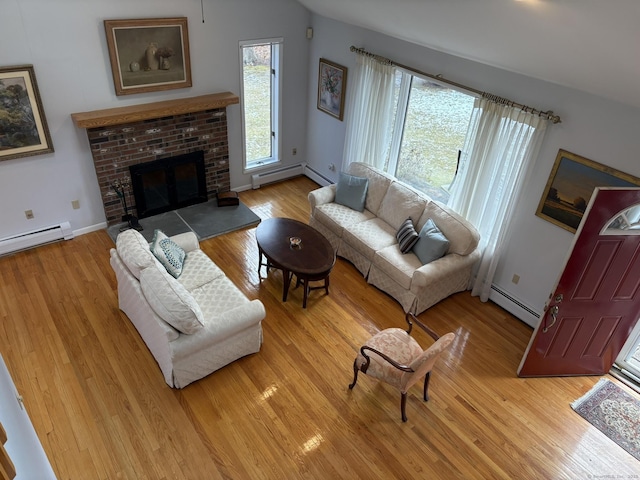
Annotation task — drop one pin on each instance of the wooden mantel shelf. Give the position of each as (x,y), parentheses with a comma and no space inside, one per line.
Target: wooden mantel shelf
(147,111)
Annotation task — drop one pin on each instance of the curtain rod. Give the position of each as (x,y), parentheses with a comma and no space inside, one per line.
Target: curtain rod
(549,115)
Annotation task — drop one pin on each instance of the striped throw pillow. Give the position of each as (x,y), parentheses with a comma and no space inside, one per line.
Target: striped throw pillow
(407,236)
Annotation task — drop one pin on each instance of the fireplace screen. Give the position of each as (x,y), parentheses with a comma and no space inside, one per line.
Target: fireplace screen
(169,183)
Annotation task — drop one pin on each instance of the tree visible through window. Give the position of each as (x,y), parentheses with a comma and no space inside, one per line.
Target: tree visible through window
(260,100)
(429,129)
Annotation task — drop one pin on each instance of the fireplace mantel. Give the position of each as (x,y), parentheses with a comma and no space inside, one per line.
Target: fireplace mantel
(137,113)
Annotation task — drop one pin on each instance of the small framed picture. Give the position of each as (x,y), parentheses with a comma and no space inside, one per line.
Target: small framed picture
(571,183)
(332,82)
(149,55)
(23,126)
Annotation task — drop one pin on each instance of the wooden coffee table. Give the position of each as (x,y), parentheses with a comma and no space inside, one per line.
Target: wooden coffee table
(310,261)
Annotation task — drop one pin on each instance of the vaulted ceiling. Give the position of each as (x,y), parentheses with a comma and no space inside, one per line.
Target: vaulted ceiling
(589,45)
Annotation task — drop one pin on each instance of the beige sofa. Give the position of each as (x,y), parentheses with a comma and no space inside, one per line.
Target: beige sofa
(193,324)
(368,239)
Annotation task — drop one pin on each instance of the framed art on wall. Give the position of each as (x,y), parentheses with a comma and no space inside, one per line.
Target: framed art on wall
(23,126)
(149,55)
(332,81)
(570,186)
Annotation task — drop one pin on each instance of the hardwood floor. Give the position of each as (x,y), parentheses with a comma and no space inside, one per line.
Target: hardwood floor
(101,408)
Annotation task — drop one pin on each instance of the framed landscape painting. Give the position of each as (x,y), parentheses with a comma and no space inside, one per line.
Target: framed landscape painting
(570,186)
(332,80)
(148,55)
(23,126)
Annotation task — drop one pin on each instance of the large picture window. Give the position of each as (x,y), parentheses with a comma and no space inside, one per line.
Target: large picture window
(261,62)
(428,131)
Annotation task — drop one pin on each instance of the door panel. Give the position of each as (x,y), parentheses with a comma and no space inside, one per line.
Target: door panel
(596,302)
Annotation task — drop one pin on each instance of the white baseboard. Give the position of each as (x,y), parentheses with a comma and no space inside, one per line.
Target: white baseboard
(514,306)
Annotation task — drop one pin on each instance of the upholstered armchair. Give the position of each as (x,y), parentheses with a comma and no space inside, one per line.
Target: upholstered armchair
(394,357)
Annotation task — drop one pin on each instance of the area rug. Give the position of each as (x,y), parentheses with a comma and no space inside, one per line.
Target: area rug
(207,220)
(614,412)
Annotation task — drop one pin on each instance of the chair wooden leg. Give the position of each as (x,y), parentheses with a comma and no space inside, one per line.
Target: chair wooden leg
(355,374)
(403,406)
(427,377)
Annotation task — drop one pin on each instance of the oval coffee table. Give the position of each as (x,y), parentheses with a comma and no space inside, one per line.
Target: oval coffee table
(311,261)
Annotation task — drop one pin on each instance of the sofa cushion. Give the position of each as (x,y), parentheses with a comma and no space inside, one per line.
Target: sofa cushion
(169,253)
(399,203)
(170,300)
(198,270)
(379,182)
(396,265)
(407,236)
(432,244)
(370,236)
(337,217)
(352,191)
(134,251)
(463,237)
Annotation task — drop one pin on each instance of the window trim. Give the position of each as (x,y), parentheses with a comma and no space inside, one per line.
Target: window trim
(276,103)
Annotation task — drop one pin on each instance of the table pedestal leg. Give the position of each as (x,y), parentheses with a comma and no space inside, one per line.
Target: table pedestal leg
(286,278)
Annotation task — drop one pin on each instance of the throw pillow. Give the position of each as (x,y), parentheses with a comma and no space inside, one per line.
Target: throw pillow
(170,300)
(432,243)
(351,191)
(407,236)
(169,253)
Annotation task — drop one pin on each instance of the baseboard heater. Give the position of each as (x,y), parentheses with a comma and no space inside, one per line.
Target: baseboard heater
(514,306)
(41,236)
(277,175)
(317,176)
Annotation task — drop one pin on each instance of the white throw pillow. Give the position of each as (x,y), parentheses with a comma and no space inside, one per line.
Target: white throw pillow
(134,251)
(170,300)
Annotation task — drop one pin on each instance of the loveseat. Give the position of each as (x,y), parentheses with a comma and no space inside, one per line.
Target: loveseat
(392,211)
(193,324)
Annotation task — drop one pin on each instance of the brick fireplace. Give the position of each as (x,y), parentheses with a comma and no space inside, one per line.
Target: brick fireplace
(126,136)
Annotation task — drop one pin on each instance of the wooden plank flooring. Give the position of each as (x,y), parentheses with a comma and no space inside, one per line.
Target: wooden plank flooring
(102,410)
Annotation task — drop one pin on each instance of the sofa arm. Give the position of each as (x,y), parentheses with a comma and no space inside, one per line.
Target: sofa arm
(322,195)
(447,265)
(218,329)
(188,241)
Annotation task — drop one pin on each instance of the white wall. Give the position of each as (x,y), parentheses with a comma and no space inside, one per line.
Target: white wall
(598,129)
(65,42)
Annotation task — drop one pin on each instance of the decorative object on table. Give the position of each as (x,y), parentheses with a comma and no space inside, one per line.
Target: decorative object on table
(614,412)
(332,82)
(228,199)
(122,188)
(149,43)
(22,121)
(570,186)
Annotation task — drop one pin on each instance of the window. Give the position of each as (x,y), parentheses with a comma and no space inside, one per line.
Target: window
(261,62)
(428,132)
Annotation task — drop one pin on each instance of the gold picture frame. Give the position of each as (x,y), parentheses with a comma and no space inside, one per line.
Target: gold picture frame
(571,183)
(332,82)
(149,55)
(23,126)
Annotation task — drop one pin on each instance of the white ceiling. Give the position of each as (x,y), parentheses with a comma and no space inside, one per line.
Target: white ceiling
(589,45)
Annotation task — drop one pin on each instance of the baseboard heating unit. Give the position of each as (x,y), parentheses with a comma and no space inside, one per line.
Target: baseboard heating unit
(41,236)
(317,177)
(276,175)
(514,306)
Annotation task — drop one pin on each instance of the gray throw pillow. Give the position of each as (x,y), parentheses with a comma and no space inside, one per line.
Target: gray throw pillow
(352,191)
(431,244)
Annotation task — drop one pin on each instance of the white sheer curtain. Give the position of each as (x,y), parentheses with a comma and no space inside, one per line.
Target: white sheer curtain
(499,148)
(369,112)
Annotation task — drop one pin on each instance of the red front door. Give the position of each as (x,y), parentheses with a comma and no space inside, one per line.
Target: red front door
(597,300)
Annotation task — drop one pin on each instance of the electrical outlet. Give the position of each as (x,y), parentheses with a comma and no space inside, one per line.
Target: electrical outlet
(332,167)
(75,204)
(28,214)
(294,151)
(515,279)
